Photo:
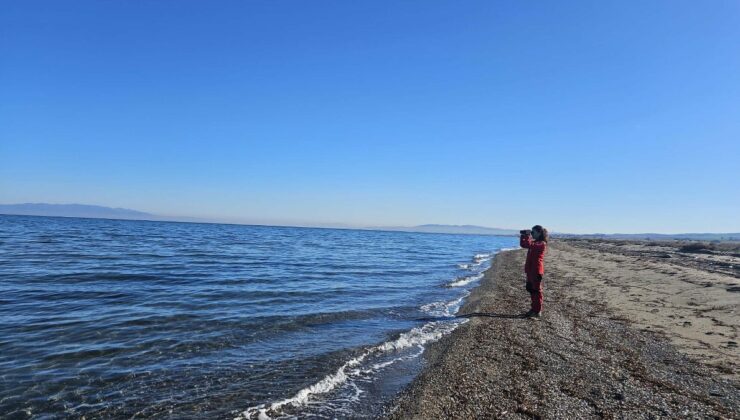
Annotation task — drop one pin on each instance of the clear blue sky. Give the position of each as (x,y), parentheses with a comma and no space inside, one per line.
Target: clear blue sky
(585,116)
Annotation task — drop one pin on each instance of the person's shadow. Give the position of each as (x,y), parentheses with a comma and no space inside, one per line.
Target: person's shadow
(472,315)
(491,315)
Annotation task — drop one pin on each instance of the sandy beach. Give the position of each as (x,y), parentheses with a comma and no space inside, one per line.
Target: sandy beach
(629,330)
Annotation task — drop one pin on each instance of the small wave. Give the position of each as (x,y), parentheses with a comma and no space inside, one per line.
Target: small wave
(462,281)
(444,309)
(416,337)
(479,259)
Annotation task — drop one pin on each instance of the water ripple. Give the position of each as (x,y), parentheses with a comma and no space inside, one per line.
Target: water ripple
(111,318)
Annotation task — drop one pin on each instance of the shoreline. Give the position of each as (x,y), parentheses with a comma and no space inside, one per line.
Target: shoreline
(403,349)
(591,355)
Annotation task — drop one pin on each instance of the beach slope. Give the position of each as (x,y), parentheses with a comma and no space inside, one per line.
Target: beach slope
(601,348)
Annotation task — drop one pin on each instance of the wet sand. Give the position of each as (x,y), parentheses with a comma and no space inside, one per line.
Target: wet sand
(627,332)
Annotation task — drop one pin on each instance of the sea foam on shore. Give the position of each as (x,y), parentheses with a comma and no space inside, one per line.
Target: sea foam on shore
(408,345)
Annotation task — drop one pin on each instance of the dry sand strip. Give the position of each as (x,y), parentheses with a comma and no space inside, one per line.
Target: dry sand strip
(586,358)
(681,295)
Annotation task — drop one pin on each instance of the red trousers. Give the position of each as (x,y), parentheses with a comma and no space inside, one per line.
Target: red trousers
(534,287)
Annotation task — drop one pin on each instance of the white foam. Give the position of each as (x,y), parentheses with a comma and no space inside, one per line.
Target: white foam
(434,308)
(325,385)
(454,306)
(419,336)
(462,281)
(444,309)
(479,259)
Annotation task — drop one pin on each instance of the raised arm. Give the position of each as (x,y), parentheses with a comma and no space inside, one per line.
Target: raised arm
(525,241)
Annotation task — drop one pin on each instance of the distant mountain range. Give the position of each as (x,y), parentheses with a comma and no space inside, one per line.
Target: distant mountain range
(73,210)
(102,212)
(87,211)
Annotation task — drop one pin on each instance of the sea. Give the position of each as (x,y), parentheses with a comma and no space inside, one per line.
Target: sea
(138,319)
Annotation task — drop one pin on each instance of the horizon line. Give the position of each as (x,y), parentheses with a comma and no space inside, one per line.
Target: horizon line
(395,229)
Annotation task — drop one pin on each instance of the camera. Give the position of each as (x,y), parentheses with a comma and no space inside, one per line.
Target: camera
(525,232)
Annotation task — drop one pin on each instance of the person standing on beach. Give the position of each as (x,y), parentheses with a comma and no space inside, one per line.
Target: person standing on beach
(535,241)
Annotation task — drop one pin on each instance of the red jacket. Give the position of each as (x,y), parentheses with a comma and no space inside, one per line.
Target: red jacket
(535,256)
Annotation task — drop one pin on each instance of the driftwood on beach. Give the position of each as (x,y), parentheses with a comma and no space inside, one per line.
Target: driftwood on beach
(625,334)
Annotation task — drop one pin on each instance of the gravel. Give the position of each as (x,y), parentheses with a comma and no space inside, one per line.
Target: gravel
(580,360)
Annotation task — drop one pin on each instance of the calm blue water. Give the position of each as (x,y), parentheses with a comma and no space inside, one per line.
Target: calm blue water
(108,318)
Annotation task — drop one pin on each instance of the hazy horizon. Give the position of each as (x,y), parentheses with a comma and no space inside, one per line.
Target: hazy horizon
(409,228)
(196,219)
(583,117)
